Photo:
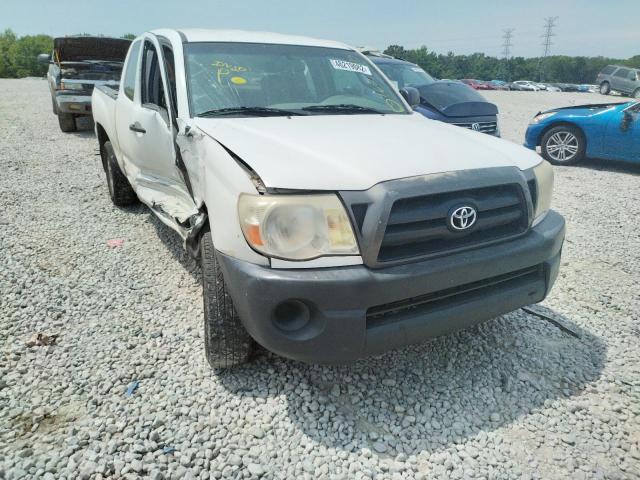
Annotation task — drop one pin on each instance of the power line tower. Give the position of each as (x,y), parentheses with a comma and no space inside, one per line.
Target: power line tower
(506,51)
(550,23)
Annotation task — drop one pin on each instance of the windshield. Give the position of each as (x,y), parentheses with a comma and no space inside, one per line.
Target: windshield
(245,79)
(406,75)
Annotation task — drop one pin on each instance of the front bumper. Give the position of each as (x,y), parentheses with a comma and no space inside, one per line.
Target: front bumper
(337,315)
(533,134)
(75,104)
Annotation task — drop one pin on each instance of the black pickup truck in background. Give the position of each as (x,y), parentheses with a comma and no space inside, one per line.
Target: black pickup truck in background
(76,66)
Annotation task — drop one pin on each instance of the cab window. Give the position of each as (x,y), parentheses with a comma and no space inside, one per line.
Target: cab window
(129,81)
(152,86)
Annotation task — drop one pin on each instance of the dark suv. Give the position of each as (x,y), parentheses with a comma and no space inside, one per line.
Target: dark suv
(76,65)
(449,101)
(625,80)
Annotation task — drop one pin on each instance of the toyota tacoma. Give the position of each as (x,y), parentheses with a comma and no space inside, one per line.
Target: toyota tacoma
(332,222)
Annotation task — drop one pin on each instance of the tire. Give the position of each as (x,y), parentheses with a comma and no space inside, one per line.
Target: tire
(120,190)
(67,122)
(54,106)
(563,145)
(636,93)
(605,88)
(227,343)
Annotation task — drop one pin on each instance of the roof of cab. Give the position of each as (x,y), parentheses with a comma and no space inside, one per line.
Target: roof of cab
(245,36)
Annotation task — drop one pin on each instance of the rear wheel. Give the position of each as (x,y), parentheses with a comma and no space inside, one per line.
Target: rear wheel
(227,343)
(605,88)
(120,190)
(67,122)
(563,145)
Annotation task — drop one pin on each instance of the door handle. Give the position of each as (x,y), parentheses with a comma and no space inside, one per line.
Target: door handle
(136,127)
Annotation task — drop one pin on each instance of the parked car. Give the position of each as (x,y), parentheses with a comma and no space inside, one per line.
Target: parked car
(331,220)
(516,87)
(449,101)
(499,85)
(76,65)
(567,135)
(625,80)
(527,85)
(552,88)
(566,87)
(476,84)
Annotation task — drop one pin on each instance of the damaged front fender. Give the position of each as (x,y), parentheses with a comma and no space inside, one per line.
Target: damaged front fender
(217,178)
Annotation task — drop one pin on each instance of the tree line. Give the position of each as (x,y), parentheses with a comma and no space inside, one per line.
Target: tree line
(18,55)
(556,68)
(18,58)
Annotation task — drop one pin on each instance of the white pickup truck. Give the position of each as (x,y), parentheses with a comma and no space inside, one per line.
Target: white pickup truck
(332,222)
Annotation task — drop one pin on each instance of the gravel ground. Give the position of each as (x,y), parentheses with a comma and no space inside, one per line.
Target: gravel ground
(517,397)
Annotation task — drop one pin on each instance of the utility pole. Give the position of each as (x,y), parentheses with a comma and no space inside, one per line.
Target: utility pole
(550,23)
(506,51)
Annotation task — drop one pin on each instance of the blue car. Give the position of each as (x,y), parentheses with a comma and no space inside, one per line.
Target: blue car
(567,135)
(448,101)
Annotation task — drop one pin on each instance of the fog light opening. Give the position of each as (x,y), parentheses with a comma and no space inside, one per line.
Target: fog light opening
(291,315)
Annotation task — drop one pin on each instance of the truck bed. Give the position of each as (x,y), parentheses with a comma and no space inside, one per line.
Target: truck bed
(110,90)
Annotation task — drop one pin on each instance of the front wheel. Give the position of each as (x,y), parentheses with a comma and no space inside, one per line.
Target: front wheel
(226,342)
(563,145)
(605,88)
(636,94)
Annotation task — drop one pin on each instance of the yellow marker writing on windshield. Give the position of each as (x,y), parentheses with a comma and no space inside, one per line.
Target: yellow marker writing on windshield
(238,80)
(224,68)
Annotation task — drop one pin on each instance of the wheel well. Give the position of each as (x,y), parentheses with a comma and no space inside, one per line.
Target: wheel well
(560,124)
(102,139)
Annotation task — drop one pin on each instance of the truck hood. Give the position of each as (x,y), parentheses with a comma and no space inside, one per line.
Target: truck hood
(80,49)
(354,152)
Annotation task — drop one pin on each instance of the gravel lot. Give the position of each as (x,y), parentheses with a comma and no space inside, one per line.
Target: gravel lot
(517,397)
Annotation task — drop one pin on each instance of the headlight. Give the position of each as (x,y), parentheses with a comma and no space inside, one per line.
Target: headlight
(296,227)
(544,184)
(71,86)
(541,117)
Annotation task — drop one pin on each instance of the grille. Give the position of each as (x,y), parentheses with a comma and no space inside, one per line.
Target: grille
(425,304)
(418,227)
(484,127)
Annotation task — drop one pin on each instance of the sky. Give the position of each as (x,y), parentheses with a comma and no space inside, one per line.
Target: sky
(584,27)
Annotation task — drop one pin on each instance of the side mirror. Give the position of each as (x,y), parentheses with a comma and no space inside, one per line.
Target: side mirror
(44,58)
(411,95)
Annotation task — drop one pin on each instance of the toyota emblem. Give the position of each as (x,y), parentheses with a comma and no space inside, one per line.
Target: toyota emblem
(463,218)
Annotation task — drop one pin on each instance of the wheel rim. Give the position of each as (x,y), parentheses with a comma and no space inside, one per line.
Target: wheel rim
(562,146)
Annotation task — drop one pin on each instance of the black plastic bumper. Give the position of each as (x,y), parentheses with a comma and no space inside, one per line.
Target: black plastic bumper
(76,104)
(337,315)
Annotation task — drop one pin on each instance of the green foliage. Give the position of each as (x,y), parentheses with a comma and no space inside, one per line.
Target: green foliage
(18,56)
(557,68)
(129,36)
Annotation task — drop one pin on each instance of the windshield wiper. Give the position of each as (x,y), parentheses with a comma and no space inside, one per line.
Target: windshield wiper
(255,111)
(341,108)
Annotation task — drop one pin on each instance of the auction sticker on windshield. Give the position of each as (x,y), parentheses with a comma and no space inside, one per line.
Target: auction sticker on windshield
(350,66)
